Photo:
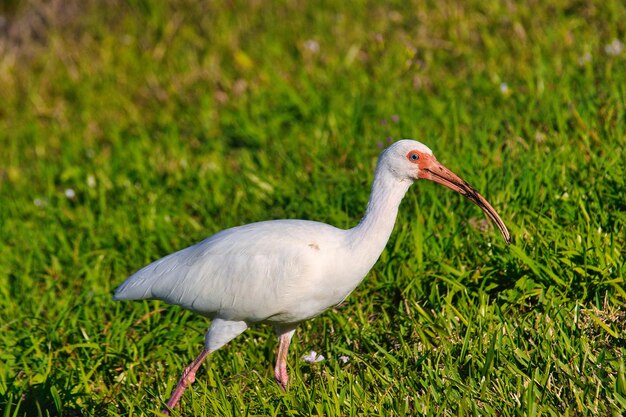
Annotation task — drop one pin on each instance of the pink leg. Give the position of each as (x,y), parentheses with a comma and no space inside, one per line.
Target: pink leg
(221,332)
(187,378)
(280,370)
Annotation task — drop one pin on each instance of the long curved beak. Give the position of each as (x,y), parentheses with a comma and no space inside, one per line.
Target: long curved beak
(431,169)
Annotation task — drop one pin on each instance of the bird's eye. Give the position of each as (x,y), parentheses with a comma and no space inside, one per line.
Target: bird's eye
(413,156)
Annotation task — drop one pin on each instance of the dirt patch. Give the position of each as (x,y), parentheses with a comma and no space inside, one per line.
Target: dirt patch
(25,26)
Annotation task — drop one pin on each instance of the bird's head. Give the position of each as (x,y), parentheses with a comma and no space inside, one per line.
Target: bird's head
(412,160)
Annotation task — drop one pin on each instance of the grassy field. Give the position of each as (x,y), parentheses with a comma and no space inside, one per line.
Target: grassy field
(129,130)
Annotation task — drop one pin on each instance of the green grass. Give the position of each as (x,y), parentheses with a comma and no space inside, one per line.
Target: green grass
(172,121)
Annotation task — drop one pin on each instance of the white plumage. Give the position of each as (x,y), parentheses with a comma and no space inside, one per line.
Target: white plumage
(285,271)
(274,271)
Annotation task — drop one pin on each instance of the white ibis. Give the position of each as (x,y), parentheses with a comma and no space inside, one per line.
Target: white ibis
(282,272)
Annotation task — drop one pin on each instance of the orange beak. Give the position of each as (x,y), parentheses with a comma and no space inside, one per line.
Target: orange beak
(431,169)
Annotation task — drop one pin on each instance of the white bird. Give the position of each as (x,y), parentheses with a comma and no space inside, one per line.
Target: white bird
(282,272)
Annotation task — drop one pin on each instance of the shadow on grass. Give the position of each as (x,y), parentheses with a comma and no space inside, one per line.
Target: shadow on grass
(46,399)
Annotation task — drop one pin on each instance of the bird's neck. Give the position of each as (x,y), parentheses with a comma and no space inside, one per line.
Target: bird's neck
(370,236)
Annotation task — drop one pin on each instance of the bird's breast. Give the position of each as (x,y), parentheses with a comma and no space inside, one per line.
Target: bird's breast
(328,276)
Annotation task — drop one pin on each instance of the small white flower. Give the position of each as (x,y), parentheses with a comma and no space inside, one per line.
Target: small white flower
(69,193)
(91,181)
(614,48)
(504,88)
(313,357)
(312,46)
(344,359)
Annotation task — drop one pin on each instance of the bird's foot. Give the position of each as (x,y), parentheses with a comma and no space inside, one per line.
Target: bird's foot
(186,379)
(282,378)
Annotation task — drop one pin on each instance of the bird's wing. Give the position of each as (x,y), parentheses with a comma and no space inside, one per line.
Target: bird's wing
(239,273)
